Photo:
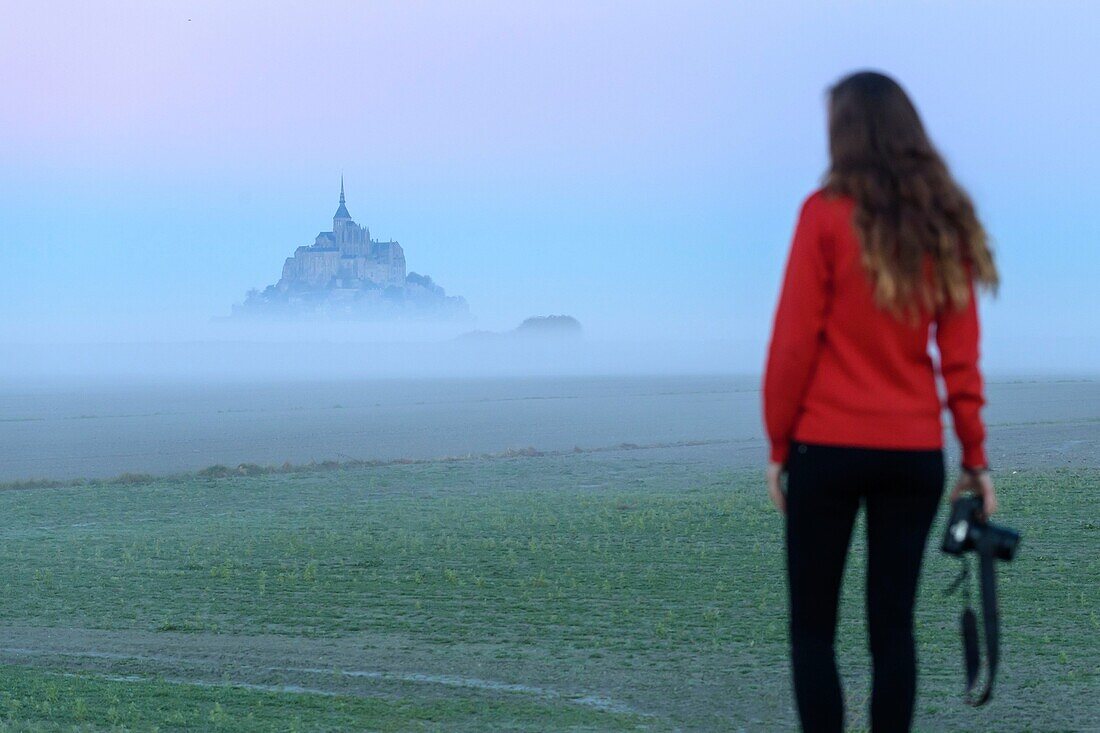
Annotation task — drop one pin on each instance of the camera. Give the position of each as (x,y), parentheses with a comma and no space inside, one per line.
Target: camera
(968,530)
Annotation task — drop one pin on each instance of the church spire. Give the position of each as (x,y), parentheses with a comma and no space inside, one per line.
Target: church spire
(342,212)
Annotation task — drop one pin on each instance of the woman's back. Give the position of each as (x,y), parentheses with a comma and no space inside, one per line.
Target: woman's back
(844,371)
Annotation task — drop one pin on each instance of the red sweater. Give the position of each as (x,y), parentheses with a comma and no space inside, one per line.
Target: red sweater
(842,371)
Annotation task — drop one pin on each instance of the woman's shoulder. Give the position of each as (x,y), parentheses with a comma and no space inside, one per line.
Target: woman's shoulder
(822,199)
(827,208)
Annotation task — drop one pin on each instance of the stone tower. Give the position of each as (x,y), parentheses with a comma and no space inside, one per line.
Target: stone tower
(341,220)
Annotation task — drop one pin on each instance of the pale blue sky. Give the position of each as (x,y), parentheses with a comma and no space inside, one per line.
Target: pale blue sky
(638,165)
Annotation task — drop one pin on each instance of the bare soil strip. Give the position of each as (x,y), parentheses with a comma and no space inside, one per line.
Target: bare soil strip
(270,663)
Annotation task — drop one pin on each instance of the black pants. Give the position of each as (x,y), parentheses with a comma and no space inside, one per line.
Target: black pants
(825,486)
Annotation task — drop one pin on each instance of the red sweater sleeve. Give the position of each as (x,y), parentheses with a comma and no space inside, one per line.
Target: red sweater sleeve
(799,323)
(957,335)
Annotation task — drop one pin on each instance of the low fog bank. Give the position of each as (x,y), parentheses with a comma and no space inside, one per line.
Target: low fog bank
(555,345)
(501,356)
(482,354)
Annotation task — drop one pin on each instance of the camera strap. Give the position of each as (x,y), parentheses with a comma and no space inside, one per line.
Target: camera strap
(969,627)
(990,621)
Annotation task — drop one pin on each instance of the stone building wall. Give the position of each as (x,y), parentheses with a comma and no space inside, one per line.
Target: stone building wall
(379,263)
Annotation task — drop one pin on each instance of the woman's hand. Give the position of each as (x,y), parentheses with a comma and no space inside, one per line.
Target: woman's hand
(773,474)
(979,483)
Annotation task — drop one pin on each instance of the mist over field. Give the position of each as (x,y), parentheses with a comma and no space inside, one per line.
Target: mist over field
(213,362)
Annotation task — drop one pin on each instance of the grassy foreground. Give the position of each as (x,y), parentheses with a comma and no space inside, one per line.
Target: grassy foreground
(631,591)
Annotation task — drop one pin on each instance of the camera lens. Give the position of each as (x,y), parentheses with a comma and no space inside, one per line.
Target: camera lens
(1006,542)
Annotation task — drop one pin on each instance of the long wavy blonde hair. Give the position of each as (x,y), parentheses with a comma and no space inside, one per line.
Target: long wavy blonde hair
(920,236)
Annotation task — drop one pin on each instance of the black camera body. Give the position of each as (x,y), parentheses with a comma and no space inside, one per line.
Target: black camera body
(969,531)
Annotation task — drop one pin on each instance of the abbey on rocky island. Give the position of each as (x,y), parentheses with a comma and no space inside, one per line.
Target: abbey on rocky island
(345,273)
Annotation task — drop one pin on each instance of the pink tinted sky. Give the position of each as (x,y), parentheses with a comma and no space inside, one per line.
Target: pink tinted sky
(413,83)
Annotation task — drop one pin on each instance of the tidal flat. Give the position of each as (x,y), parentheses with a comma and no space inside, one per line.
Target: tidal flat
(95,430)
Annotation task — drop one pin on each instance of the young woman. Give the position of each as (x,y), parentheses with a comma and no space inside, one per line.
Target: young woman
(888,251)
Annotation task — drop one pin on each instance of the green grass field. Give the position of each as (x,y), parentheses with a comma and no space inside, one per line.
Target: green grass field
(632,590)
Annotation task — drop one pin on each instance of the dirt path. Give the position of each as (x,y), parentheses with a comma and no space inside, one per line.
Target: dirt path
(371,666)
(358,666)
(322,666)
